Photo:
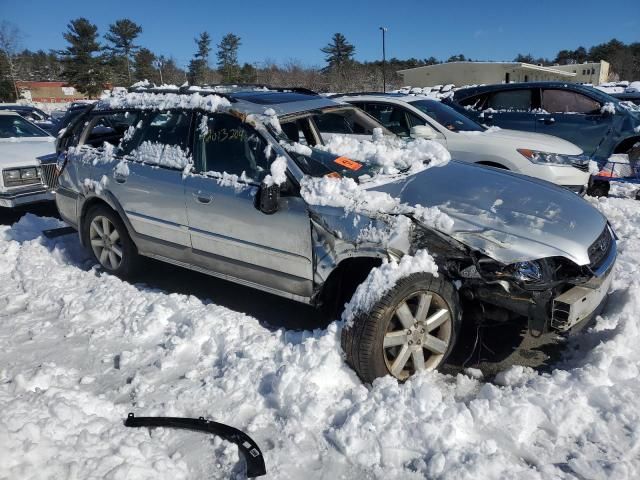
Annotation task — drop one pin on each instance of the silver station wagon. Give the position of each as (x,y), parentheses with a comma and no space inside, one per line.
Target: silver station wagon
(187,176)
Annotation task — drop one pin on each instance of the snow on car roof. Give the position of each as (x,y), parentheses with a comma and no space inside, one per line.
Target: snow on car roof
(213,99)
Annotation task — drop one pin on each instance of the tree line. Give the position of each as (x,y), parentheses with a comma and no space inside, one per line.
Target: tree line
(90,61)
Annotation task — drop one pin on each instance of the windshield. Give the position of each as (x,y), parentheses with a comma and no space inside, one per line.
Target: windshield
(298,139)
(12,126)
(447,116)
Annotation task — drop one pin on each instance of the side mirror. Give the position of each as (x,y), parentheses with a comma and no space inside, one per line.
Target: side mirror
(423,131)
(268,197)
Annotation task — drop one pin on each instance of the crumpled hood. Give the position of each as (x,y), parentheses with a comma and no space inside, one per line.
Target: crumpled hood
(530,140)
(506,216)
(16,152)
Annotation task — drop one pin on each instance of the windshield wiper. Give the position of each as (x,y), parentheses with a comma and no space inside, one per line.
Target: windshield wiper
(249,449)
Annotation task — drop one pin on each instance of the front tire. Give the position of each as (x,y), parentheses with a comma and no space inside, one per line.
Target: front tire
(413,327)
(109,242)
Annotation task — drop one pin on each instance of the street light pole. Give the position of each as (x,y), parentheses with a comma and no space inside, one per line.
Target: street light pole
(384,61)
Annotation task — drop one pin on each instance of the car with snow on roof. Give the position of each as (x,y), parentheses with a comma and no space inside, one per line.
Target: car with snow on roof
(240,185)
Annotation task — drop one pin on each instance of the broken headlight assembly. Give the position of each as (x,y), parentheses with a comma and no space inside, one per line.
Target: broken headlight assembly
(530,275)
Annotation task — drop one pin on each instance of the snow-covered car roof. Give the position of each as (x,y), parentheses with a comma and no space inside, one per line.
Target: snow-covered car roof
(246,101)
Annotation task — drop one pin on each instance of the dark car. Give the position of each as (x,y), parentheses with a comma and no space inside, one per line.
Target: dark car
(595,121)
(33,114)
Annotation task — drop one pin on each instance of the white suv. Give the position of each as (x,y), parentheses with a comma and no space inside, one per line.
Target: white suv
(537,155)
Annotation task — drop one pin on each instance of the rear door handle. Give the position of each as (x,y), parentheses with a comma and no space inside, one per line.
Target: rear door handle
(202,197)
(120,179)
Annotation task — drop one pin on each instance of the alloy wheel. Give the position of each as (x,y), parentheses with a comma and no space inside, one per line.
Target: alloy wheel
(105,242)
(418,334)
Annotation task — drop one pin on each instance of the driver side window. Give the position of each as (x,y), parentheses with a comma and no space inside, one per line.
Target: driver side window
(390,116)
(226,144)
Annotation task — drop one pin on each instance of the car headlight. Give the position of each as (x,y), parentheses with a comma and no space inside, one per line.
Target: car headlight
(527,272)
(21,176)
(550,158)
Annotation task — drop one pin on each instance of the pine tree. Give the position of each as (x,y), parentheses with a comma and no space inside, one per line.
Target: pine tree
(339,52)
(228,58)
(199,66)
(122,35)
(83,66)
(145,66)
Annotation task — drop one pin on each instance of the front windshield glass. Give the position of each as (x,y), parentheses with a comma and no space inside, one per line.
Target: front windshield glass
(447,116)
(12,126)
(319,163)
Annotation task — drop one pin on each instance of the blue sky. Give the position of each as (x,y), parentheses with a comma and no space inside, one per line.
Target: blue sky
(283,30)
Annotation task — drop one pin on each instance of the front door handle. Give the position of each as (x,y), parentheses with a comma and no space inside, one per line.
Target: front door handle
(202,197)
(547,120)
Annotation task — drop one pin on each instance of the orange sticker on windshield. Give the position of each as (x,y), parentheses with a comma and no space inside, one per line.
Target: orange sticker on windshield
(348,163)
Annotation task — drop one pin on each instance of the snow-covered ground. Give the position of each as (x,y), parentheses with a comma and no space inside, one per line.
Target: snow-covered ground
(79,349)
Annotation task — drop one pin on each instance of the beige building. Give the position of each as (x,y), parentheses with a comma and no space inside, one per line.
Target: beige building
(474,73)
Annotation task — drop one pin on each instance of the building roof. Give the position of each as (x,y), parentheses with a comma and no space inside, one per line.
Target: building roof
(522,65)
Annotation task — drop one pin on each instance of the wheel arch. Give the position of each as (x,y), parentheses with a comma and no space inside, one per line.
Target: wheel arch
(108,201)
(343,280)
(488,163)
(626,144)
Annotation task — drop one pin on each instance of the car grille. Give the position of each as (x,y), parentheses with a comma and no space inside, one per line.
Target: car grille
(599,249)
(584,166)
(49,175)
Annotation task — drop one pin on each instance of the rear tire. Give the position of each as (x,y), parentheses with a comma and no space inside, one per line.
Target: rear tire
(413,327)
(107,238)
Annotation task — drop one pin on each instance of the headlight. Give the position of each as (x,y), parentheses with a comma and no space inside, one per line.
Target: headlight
(21,176)
(550,158)
(527,272)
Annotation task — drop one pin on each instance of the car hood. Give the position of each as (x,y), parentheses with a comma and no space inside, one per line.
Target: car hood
(533,141)
(23,152)
(509,217)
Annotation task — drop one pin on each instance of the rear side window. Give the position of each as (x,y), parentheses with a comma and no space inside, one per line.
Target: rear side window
(109,128)
(564,101)
(164,127)
(226,144)
(517,100)
(160,138)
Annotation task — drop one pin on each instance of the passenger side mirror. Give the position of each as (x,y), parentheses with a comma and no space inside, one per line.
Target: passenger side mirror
(268,198)
(423,131)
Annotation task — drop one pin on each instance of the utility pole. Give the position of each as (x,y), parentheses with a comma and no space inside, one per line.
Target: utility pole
(384,61)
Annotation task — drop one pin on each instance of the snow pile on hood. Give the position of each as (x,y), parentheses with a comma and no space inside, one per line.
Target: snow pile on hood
(390,154)
(79,349)
(163,101)
(383,278)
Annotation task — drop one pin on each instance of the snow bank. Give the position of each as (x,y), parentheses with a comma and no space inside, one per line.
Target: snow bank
(79,349)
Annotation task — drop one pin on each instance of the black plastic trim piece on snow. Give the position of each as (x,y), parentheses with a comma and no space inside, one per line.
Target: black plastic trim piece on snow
(249,449)
(58,232)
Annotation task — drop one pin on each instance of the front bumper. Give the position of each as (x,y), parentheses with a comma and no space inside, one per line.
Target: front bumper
(581,303)
(35,194)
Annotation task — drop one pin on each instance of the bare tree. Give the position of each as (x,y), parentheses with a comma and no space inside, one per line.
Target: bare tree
(10,38)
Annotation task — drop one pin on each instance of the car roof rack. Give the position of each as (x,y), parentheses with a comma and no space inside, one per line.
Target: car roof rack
(182,90)
(258,87)
(392,94)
